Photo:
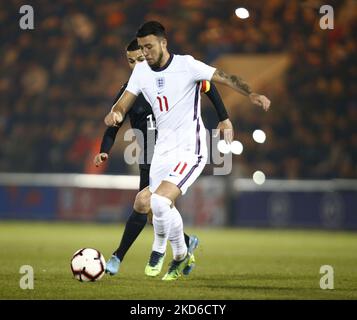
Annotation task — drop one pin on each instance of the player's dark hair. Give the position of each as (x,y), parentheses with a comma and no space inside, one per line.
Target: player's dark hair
(151,27)
(133,45)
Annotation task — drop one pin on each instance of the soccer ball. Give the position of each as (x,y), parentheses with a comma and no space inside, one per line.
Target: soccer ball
(88,264)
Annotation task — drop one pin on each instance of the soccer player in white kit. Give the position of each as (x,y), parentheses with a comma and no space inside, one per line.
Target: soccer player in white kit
(169,83)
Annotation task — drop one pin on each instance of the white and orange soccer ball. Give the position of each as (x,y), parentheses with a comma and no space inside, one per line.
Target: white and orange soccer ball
(88,264)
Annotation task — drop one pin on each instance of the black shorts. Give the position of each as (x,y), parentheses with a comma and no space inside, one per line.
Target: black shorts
(144,177)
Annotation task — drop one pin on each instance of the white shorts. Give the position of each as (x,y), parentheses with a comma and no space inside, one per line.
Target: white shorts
(182,170)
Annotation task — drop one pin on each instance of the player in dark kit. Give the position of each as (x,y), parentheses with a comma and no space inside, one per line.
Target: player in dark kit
(142,119)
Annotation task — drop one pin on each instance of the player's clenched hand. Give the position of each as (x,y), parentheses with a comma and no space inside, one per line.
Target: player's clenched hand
(227,128)
(260,100)
(100,158)
(113,119)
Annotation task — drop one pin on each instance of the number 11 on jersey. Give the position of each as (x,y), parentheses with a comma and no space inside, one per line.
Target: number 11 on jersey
(165,103)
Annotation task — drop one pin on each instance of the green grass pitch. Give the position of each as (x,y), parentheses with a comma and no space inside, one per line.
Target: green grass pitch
(231,264)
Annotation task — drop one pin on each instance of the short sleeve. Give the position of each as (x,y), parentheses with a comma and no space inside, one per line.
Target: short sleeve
(199,70)
(133,83)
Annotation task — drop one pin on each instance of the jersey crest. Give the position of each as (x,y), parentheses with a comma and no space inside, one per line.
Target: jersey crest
(160,83)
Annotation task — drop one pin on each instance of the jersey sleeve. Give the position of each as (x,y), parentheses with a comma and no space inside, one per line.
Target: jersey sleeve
(108,139)
(214,96)
(133,83)
(199,70)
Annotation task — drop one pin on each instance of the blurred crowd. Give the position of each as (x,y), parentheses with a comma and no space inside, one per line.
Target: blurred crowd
(58,81)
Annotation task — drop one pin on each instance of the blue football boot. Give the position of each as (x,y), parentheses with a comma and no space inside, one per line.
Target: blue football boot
(113,265)
(192,262)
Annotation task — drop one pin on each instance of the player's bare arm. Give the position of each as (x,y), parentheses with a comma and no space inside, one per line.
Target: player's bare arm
(239,85)
(119,109)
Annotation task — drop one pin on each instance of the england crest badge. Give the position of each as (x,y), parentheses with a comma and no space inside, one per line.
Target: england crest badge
(160,83)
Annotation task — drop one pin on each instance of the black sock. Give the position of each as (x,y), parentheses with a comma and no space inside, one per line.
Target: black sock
(187,240)
(133,227)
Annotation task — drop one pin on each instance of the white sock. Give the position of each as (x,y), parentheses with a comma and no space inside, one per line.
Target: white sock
(161,220)
(176,236)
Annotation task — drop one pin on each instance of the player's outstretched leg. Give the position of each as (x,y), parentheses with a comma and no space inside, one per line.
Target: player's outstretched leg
(192,262)
(134,225)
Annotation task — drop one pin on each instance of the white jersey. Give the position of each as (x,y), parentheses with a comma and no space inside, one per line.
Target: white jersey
(173,92)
